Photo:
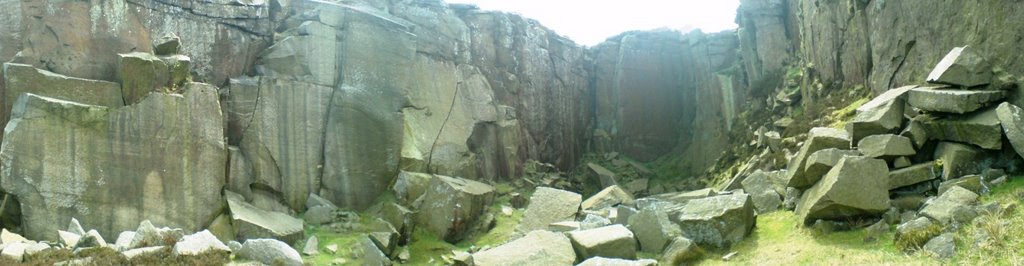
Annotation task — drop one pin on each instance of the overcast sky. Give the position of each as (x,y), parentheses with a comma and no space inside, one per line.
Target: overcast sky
(589,22)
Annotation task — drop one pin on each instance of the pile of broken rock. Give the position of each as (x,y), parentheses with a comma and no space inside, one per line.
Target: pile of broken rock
(917,156)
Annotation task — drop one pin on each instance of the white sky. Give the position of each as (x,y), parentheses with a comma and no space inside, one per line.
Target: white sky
(588,22)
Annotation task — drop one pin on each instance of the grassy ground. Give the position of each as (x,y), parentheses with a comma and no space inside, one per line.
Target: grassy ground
(995,239)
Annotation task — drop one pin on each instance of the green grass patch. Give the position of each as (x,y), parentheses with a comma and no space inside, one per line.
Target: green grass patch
(840,117)
(995,239)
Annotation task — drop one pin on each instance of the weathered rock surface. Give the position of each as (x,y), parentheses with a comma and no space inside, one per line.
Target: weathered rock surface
(944,207)
(112,175)
(653,229)
(947,100)
(762,191)
(680,250)
(972,183)
(269,251)
(607,197)
(881,115)
(718,221)
(536,248)
(452,206)
(912,175)
(1009,116)
(613,241)
(981,129)
(821,161)
(602,176)
(957,159)
(941,246)
(962,67)
(818,139)
(251,222)
(857,186)
(549,205)
(19,79)
(199,243)
(887,146)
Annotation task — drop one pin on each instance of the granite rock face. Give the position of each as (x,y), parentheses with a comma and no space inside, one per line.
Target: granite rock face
(163,159)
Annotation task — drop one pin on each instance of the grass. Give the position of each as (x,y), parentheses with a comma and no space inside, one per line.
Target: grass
(778,241)
(841,116)
(995,239)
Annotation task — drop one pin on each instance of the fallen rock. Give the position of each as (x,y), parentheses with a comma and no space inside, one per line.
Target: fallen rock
(653,229)
(945,207)
(321,214)
(718,221)
(114,187)
(312,246)
(549,205)
(91,239)
(762,191)
(637,186)
(608,197)
(972,183)
(313,200)
(679,251)
(886,146)
(140,74)
(68,239)
(818,139)
(947,100)
(8,237)
(791,198)
(410,186)
(536,248)
(199,243)
(451,206)
(613,241)
(981,129)
(855,186)
(881,115)
(913,234)
(1009,116)
(821,161)
(915,131)
(901,162)
(912,175)
(958,159)
(602,261)
(251,222)
(602,175)
(168,44)
(148,235)
(124,240)
(942,246)
(400,218)
(270,252)
(962,67)
(372,255)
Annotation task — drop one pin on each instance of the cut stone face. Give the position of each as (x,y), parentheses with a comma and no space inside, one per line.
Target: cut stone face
(613,241)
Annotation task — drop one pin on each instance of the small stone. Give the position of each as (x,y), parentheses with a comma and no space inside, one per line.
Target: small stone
(886,146)
(942,246)
(169,44)
(679,251)
(75,227)
(901,162)
(199,243)
(311,247)
(944,208)
(315,200)
(729,256)
(332,248)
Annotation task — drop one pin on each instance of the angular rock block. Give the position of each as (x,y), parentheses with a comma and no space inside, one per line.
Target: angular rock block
(944,208)
(971,183)
(762,191)
(140,74)
(19,79)
(886,146)
(653,229)
(958,159)
(613,241)
(857,186)
(818,139)
(270,251)
(881,115)
(947,100)
(602,175)
(549,205)
(251,222)
(410,186)
(608,197)
(821,161)
(163,159)
(718,221)
(1009,116)
(451,206)
(536,248)
(981,128)
(962,66)
(912,175)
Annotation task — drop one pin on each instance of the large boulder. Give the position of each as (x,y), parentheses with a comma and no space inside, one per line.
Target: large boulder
(1013,125)
(958,159)
(887,146)
(762,191)
(608,197)
(536,248)
(962,67)
(452,206)
(912,175)
(856,186)
(251,222)
(613,241)
(163,159)
(549,205)
(881,115)
(653,229)
(945,207)
(947,100)
(19,79)
(602,176)
(981,128)
(818,139)
(821,161)
(718,221)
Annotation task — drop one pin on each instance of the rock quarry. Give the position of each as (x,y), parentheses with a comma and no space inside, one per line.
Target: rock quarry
(418,132)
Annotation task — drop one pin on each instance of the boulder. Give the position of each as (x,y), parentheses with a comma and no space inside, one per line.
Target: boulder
(270,252)
(623,214)
(410,186)
(718,221)
(312,246)
(321,214)
(591,221)
(1009,116)
(684,196)
(856,186)
(451,206)
(762,191)
(913,234)
(68,239)
(962,66)
(179,67)
(944,207)
(124,240)
(915,131)
(372,254)
(602,261)
(958,159)
(608,197)
(886,146)
(602,175)
(19,79)
(818,139)
(613,241)
(881,115)
(942,246)
(313,200)
(199,243)
(912,175)
(679,251)
(118,178)
(637,186)
(970,182)
(947,100)
(981,128)
(148,235)
(401,218)
(536,248)
(140,74)
(251,222)
(8,237)
(821,161)
(653,229)
(549,205)
(169,44)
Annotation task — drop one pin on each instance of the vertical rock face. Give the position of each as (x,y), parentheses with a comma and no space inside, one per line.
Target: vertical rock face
(163,159)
